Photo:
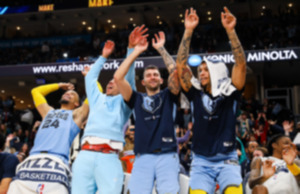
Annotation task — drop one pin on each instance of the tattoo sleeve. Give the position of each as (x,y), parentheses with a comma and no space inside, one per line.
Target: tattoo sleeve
(184,72)
(173,83)
(237,49)
(168,59)
(255,175)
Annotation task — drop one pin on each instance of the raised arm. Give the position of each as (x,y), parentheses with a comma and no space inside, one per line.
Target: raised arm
(91,79)
(133,39)
(255,175)
(119,76)
(125,72)
(39,93)
(184,72)
(158,43)
(80,114)
(239,69)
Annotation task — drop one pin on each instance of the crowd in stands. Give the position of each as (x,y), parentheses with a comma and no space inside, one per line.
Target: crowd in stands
(267,32)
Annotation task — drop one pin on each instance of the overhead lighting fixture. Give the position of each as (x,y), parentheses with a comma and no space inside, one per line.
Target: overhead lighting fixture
(109,21)
(181,15)
(160,22)
(21,101)
(14,97)
(134,25)
(290,5)
(208,12)
(18,28)
(263,7)
(209,18)
(65,55)
(84,23)
(21,83)
(157,17)
(182,21)
(2,91)
(29,105)
(261,13)
(131,19)
(89,28)
(113,26)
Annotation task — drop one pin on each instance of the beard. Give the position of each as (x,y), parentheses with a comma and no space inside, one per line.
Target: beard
(62,101)
(153,89)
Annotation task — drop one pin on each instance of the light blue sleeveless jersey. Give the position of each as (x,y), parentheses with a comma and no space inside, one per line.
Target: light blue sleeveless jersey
(56,134)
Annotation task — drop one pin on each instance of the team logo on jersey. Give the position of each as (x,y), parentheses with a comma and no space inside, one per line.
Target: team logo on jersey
(40,188)
(209,104)
(150,105)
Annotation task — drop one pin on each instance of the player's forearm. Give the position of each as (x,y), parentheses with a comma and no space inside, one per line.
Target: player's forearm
(184,48)
(39,93)
(237,49)
(167,58)
(130,76)
(95,70)
(184,72)
(91,79)
(256,181)
(123,70)
(173,83)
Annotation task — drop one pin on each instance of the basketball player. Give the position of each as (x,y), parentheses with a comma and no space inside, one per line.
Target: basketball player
(214,98)
(97,166)
(46,169)
(278,173)
(155,142)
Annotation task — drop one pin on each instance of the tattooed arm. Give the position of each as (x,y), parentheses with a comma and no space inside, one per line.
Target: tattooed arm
(184,72)
(256,176)
(239,69)
(158,44)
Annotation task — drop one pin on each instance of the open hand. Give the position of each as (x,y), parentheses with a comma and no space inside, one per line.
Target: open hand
(268,168)
(136,35)
(289,154)
(108,48)
(142,45)
(159,40)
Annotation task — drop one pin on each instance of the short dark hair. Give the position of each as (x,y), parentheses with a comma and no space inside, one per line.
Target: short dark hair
(274,139)
(150,67)
(248,143)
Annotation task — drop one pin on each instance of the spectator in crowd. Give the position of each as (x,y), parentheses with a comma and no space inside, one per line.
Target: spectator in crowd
(278,173)
(214,96)
(251,146)
(244,127)
(261,128)
(155,143)
(8,164)
(260,152)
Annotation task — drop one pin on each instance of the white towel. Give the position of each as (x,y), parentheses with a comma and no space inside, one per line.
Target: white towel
(220,81)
